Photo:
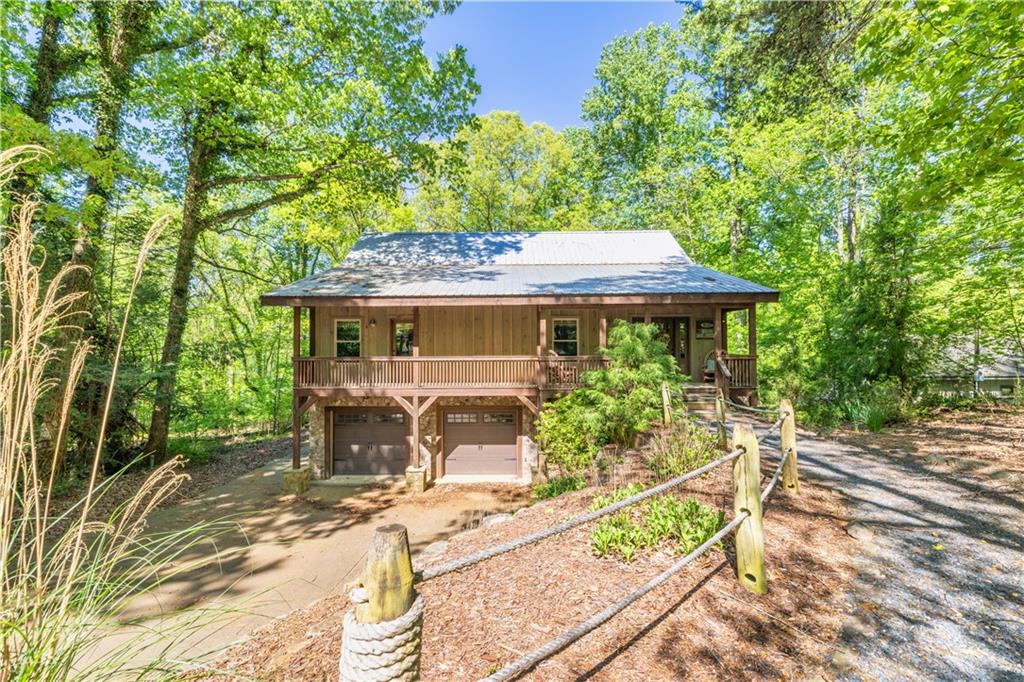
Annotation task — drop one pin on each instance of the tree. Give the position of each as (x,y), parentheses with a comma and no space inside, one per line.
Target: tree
(499,174)
(279,99)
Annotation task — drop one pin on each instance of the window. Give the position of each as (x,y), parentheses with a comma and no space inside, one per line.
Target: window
(389,418)
(349,417)
(566,339)
(499,418)
(401,338)
(347,339)
(460,418)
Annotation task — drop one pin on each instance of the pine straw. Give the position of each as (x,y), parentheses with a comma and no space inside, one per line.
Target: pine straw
(700,625)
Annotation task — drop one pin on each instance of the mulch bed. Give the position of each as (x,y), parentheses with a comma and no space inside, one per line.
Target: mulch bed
(700,625)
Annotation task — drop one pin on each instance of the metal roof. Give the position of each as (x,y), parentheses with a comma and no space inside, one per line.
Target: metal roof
(472,264)
(416,249)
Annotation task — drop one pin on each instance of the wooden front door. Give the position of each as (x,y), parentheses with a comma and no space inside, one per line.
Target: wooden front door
(675,332)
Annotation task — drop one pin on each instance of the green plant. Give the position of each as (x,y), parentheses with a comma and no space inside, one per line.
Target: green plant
(647,525)
(66,575)
(558,486)
(682,447)
(615,403)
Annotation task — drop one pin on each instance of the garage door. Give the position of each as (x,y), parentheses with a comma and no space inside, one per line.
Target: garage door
(480,442)
(369,440)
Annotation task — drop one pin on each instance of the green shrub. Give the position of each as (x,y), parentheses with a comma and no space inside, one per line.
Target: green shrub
(683,447)
(648,525)
(875,406)
(558,486)
(614,404)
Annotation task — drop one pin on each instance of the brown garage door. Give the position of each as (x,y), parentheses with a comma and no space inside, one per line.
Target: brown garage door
(369,440)
(480,441)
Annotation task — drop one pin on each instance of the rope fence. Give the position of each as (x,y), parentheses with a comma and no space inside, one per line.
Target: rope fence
(381,640)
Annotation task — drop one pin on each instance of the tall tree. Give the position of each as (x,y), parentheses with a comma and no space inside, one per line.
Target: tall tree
(277,100)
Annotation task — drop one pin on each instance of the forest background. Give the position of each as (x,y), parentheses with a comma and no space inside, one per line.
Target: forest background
(865,158)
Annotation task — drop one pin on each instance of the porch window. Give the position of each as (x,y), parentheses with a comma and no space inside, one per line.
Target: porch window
(566,339)
(402,337)
(348,338)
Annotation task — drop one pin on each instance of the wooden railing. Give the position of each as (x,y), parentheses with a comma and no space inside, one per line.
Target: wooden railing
(742,370)
(504,371)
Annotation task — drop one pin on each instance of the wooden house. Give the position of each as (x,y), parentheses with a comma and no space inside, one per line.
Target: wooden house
(434,352)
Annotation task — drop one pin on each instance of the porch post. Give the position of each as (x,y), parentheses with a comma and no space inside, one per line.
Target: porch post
(416,345)
(415,429)
(312,332)
(752,349)
(296,417)
(602,331)
(719,378)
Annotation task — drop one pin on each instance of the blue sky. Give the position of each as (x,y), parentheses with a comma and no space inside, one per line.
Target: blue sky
(538,58)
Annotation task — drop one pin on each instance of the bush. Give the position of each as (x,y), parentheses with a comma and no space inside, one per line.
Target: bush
(650,524)
(614,404)
(558,486)
(683,447)
(875,406)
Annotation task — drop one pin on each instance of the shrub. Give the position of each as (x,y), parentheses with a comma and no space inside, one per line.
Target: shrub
(683,447)
(875,406)
(614,404)
(558,486)
(650,524)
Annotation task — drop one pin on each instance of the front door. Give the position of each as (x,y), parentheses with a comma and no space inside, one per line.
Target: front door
(675,332)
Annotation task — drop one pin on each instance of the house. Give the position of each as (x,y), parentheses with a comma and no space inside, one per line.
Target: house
(431,354)
(970,368)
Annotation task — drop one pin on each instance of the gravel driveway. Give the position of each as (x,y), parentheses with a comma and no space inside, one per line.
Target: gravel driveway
(940,581)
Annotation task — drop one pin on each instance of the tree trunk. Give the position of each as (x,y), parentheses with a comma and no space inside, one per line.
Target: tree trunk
(177,316)
(120,30)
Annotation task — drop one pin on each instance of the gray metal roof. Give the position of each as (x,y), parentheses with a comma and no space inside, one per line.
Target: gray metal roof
(433,265)
(416,249)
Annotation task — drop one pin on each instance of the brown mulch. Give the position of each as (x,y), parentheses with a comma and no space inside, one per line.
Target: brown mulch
(986,442)
(700,625)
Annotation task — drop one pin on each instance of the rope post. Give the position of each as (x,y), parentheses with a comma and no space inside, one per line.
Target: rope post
(787,435)
(723,436)
(382,635)
(666,403)
(746,478)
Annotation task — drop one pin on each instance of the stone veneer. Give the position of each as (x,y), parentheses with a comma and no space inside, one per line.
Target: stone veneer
(428,427)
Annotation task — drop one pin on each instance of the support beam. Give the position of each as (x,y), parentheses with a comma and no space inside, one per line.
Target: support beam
(406,405)
(529,404)
(415,431)
(602,331)
(305,402)
(425,405)
(312,332)
(296,434)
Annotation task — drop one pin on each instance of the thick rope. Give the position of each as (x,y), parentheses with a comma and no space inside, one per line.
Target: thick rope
(457,564)
(524,663)
(749,408)
(777,424)
(381,652)
(775,477)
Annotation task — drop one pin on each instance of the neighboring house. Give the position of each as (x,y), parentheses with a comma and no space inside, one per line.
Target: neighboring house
(970,368)
(434,352)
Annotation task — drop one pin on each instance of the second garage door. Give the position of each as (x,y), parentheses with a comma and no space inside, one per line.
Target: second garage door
(480,441)
(369,440)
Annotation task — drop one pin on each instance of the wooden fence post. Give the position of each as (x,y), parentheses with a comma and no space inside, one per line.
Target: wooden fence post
(387,577)
(746,478)
(787,434)
(666,403)
(723,436)
(381,639)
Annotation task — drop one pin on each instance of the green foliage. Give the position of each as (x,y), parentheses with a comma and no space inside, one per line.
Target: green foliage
(681,448)
(684,523)
(558,486)
(615,404)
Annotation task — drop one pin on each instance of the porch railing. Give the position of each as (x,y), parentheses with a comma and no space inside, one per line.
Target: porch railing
(739,371)
(506,371)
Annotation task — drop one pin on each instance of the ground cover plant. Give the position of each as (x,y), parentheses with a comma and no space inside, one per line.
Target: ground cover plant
(661,521)
(558,486)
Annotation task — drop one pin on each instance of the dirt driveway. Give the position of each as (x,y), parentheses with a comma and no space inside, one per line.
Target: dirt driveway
(275,553)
